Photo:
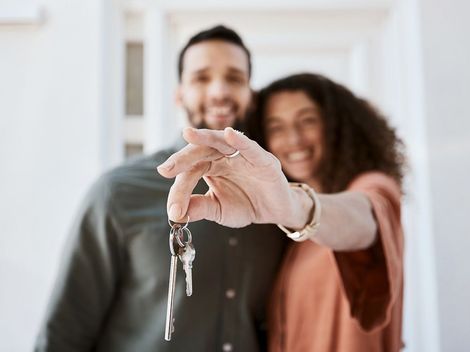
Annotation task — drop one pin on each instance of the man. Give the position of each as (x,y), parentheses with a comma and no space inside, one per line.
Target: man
(111,294)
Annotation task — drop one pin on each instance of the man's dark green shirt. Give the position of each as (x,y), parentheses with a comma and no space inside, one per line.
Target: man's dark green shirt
(111,293)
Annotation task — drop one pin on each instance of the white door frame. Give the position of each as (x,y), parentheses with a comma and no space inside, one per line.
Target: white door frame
(399,77)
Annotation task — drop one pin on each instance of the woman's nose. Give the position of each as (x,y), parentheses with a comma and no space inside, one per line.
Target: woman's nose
(294,136)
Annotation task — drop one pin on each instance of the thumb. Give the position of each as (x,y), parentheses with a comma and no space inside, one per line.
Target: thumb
(204,207)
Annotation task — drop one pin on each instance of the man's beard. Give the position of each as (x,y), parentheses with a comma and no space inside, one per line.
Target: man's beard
(199,122)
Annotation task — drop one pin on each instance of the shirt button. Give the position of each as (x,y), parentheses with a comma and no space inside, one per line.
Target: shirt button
(230,293)
(227,347)
(233,241)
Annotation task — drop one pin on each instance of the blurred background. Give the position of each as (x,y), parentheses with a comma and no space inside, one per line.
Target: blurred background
(86,84)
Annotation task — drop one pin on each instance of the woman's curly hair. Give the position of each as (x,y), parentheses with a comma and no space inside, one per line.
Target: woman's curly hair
(357,137)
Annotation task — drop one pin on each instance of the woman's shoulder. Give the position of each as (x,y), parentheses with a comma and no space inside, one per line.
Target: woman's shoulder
(376,181)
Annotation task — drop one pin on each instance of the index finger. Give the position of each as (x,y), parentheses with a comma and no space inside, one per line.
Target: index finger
(229,141)
(209,138)
(248,148)
(186,159)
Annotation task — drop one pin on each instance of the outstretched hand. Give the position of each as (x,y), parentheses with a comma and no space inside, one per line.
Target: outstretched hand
(248,188)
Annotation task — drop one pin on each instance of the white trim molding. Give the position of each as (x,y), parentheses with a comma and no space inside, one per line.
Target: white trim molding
(13,13)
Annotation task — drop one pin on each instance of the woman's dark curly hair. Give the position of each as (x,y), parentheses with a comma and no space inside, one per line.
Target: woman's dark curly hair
(357,136)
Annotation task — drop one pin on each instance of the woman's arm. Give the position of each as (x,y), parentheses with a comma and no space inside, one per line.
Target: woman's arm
(251,188)
(347,221)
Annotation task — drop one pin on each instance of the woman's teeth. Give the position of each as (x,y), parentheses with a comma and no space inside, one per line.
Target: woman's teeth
(298,156)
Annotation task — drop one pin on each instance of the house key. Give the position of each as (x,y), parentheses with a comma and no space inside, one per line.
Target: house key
(175,234)
(187,253)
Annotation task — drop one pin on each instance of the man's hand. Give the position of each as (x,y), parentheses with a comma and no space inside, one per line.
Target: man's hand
(248,188)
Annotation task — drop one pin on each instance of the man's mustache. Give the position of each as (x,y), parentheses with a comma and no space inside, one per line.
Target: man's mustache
(238,125)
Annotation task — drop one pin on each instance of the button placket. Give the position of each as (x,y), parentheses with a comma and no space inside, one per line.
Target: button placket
(230,293)
(227,347)
(231,282)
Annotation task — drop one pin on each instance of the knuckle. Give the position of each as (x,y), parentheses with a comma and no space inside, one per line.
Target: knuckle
(218,214)
(275,162)
(212,138)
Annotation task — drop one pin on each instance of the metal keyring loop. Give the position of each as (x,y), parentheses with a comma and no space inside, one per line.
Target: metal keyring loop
(172,223)
(181,240)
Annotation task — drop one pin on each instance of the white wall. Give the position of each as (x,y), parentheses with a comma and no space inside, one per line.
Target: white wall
(51,148)
(445,28)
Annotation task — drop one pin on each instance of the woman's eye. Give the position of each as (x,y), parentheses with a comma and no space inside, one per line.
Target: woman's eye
(274,129)
(309,121)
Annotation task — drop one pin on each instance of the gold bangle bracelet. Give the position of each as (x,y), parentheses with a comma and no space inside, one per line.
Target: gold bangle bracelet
(312,227)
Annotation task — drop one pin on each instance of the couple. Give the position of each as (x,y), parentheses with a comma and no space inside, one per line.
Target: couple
(339,289)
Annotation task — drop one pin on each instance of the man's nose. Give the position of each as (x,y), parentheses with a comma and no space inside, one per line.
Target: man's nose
(219,89)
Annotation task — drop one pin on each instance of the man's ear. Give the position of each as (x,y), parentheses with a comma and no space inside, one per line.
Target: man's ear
(178,96)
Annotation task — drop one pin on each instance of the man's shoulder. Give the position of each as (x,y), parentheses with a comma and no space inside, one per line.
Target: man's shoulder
(141,166)
(136,177)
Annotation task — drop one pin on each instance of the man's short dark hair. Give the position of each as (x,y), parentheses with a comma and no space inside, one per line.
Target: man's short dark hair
(216,33)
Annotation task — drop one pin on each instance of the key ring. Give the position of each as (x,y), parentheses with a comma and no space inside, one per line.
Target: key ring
(171,240)
(176,232)
(180,239)
(172,223)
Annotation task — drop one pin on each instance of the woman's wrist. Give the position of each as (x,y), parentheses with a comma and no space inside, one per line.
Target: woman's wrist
(311,227)
(302,209)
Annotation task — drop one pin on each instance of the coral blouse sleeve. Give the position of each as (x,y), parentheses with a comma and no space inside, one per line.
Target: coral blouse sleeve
(373,278)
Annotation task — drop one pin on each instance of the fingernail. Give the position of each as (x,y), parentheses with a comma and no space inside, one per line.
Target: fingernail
(189,129)
(175,212)
(167,165)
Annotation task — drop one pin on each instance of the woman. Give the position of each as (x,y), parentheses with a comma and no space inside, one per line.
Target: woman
(341,290)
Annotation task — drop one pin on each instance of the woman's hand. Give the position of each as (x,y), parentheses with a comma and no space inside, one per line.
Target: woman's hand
(248,188)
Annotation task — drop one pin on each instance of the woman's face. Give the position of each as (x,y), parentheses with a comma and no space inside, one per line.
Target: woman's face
(294,134)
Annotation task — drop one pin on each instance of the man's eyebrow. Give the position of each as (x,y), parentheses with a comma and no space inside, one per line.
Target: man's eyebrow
(232,69)
(199,71)
(237,70)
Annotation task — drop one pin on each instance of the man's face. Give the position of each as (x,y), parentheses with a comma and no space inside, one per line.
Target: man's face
(214,87)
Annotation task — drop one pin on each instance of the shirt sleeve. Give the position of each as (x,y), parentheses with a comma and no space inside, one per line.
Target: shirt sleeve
(372,279)
(87,280)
